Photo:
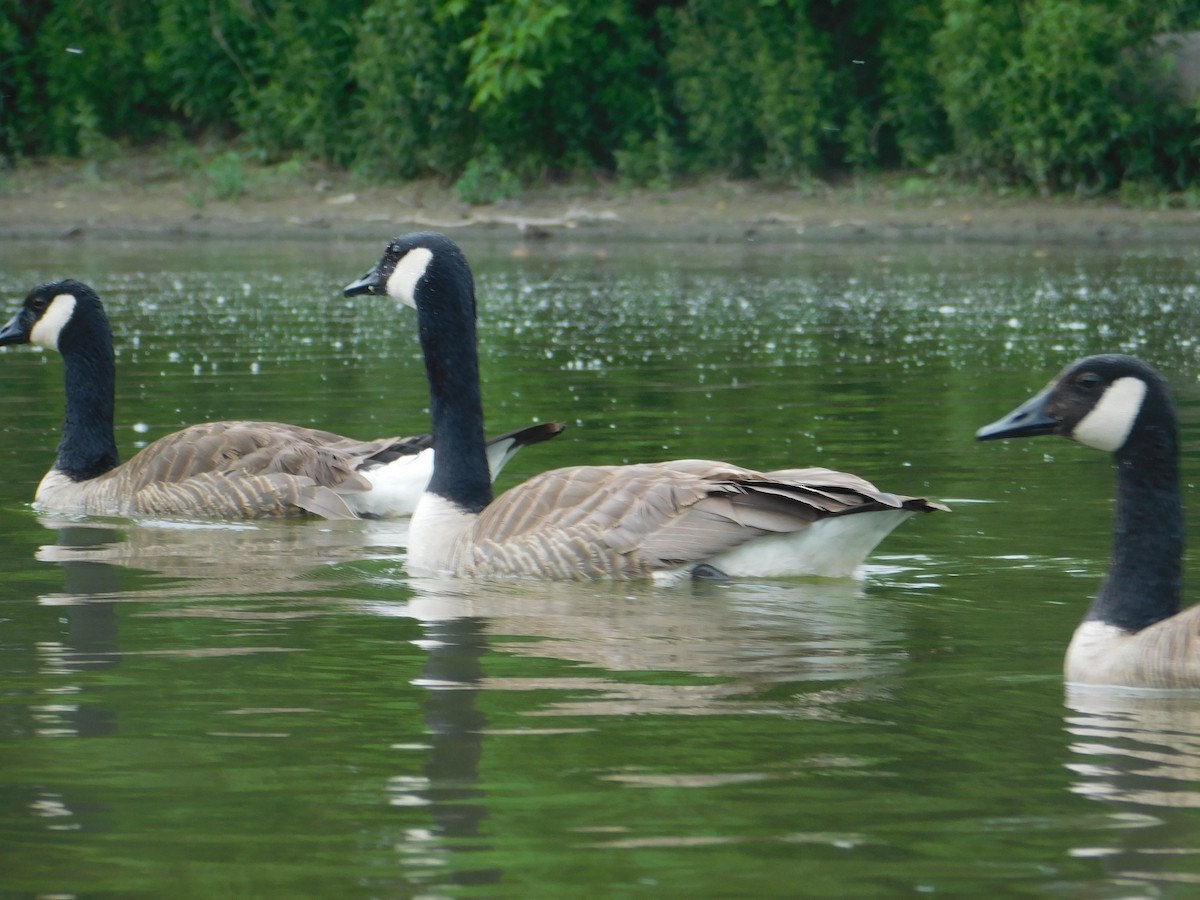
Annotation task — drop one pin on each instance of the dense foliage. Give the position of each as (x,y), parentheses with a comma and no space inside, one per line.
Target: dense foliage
(1060,94)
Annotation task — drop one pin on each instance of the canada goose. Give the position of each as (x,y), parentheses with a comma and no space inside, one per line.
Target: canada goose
(1133,633)
(229,470)
(664,520)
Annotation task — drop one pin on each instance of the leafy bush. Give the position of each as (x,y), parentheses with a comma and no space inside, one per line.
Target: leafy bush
(752,84)
(561,84)
(225,175)
(487,180)
(204,56)
(973,52)
(75,74)
(651,161)
(532,83)
(1059,92)
(19,122)
(408,73)
(910,110)
(296,99)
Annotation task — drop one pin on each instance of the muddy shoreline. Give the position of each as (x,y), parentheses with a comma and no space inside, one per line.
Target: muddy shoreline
(76,208)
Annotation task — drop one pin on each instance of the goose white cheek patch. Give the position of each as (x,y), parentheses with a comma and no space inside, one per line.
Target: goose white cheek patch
(45,333)
(402,283)
(1108,425)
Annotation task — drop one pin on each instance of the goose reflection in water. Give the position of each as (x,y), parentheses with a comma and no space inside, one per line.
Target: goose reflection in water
(1138,746)
(734,639)
(186,560)
(1138,750)
(90,640)
(797,648)
(732,643)
(215,558)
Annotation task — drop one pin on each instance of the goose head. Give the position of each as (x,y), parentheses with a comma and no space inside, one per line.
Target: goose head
(419,270)
(1105,402)
(55,316)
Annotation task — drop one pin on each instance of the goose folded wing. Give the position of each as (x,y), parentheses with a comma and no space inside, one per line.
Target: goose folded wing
(852,491)
(705,508)
(264,448)
(666,514)
(1163,655)
(220,495)
(732,506)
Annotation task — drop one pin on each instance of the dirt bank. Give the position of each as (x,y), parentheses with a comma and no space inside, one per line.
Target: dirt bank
(148,199)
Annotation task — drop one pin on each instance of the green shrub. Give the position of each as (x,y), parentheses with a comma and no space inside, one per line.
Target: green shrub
(225,176)
(534,83)
(412,114)
(276,73)
(562,84)
(85,77)
(205,55)
(973,52)
(1065,111)
(296,100)
(72,79)
(487,180)
(1060,93)
(911,110)
(651,161)
(752,84)
(20,123)
(93,144)
(511,50)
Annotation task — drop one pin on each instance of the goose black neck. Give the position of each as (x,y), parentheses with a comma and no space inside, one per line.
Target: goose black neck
(88,447)
(446,312)
(1144,580)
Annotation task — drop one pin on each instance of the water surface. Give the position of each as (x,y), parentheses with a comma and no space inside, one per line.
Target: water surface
(279,709)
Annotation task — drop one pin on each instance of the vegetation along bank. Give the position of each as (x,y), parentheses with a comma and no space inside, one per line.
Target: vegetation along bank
(1070,97)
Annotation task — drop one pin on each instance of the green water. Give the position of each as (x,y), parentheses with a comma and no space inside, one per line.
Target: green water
(279,710)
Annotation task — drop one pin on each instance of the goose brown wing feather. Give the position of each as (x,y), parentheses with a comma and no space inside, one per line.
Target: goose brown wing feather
(1164,655)
(633,520)
(843,488)
(221,495)
(260,448)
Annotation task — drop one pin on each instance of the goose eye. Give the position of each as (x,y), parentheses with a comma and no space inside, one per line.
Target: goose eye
(38,303)
(1089,381)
